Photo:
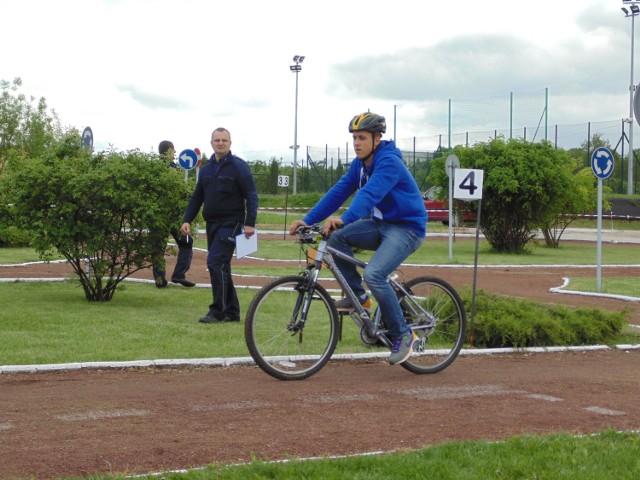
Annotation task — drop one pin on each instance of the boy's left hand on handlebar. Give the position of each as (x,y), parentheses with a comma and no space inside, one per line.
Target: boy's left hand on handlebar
(295,225)
(332,224)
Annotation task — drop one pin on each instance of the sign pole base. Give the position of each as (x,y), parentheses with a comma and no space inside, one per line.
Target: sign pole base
(475,278)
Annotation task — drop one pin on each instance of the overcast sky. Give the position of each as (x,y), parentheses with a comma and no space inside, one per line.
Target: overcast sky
(140,71)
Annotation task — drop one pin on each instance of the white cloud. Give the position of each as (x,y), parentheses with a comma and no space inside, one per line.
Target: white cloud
(139,71)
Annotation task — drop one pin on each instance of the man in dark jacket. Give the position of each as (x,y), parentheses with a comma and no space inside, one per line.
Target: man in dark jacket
(227,194)
(184,241)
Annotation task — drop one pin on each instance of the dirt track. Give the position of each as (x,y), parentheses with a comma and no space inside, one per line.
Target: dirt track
(143,420)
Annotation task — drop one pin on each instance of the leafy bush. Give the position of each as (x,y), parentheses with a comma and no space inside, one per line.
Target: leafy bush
(107,214)
(27,129)
(510,322)
(526,186)
(14,237)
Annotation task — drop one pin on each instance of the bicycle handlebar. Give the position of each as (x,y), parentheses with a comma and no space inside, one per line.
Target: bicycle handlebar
(308,233)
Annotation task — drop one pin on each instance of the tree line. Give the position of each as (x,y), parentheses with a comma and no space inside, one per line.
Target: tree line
(104,211)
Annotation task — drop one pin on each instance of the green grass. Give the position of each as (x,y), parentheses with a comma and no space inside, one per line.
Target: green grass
(53,323)
(435,251)
(22,255)
(268,270)
(604,456)
(140,323)
(146,323)
(627,286)
(278,221)
(607,224)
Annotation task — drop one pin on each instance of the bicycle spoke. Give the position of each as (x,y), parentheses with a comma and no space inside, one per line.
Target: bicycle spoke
(278,349)
(440,324)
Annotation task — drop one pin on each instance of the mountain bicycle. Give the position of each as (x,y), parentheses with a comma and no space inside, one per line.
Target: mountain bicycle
(292,325)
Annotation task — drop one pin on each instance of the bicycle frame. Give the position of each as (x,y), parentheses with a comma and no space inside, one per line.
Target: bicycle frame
(285,347)
(325,254)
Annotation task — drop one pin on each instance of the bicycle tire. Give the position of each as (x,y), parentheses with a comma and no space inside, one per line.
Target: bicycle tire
(277,349)
(439,346)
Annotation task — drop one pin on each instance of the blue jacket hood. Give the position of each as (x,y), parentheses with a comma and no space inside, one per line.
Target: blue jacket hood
(385,190)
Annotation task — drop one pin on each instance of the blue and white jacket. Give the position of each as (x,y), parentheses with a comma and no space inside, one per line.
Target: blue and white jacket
(385,191)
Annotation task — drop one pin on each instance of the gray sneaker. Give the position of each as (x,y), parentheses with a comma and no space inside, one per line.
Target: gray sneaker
(402,348)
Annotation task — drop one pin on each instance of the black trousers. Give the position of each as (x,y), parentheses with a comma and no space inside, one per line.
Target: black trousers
(185,254)
(221,242)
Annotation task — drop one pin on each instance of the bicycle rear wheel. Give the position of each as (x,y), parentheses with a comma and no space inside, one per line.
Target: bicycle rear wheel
(440,328)
(278,342)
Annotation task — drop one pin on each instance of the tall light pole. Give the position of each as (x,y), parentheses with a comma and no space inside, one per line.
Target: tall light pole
(635,10)
(297,68)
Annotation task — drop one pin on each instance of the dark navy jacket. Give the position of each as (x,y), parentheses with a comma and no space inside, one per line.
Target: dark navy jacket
(226,191)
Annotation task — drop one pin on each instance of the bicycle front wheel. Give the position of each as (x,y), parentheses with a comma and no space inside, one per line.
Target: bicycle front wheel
(281,342)
(440,324)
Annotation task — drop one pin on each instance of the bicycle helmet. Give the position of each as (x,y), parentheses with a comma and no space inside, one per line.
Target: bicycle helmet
(368,122)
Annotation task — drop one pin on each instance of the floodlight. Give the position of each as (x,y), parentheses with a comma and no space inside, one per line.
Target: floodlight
(297,68)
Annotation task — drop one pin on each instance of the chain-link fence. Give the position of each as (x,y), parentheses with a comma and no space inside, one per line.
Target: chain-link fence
(522,116)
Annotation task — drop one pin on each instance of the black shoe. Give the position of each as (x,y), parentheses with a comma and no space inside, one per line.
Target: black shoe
(209,318)
(183,281)
(161,282)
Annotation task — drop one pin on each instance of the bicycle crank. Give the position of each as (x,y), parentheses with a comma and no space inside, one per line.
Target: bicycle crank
(368,339)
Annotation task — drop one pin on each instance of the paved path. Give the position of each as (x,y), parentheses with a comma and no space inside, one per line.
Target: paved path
(146,420)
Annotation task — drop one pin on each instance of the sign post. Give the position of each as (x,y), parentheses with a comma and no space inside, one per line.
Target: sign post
(451,163)
(199,157)
(602,166)
(283,181)
(468,186)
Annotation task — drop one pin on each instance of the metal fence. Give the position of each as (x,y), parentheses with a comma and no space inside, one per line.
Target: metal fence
(320,167)
(467,122)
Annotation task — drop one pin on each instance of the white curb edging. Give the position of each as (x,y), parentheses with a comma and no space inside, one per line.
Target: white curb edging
(237,361)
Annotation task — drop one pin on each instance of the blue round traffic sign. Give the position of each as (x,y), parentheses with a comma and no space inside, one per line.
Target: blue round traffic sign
(602,162)
(87,138)
(188,159)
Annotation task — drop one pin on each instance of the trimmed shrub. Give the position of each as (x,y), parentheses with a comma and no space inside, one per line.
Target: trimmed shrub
(516,323)
(14,237)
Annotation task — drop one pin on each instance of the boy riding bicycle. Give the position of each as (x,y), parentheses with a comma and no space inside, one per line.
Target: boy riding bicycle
(387,215)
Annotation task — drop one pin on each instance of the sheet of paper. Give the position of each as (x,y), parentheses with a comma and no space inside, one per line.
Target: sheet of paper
(246,246)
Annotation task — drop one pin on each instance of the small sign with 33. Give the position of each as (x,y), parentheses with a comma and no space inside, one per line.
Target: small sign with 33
(283,180)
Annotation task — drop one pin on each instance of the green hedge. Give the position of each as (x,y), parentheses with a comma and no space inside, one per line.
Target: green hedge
(510,322)
(14,237)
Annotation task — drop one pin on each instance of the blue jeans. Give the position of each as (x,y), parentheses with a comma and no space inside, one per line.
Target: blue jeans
(392,244)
